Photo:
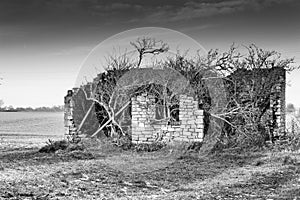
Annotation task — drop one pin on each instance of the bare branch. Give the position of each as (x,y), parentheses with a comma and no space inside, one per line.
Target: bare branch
(148,46)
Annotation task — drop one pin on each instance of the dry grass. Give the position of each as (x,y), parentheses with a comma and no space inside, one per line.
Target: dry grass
(115,174)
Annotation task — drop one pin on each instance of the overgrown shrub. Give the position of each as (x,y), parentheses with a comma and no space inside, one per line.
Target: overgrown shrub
(53,146)
(294,142)
(103,146)
(288,160)
(291,142)
(61,145)
(149,147)
(123,142)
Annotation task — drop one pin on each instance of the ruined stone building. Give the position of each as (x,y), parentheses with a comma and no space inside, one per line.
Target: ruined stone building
(144,124)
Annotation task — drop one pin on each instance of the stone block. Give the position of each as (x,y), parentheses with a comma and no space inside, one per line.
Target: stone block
(176,136)
(178,129)
(142,138)
(184,118)
(182,126)
(135,116)
(191,122)
(185,139)
(140,98)
(199,117)
(141,124)
(135,137)
(200,135)
(197,140)
(147,133)
(150,140)
(197,130)
(195,134)
(199,121)
(192,130)
(198,112)
(137,131)
(186,129)
(177,139)
(170,129)
(193,126)
(148,128)
(139,128)
(185,133)
(156,127)
(199,126)
(134,126)
(164,128)
(70,123)
(169,134)
(182,110)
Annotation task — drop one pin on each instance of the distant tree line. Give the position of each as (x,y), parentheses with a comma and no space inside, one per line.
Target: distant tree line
(29,109)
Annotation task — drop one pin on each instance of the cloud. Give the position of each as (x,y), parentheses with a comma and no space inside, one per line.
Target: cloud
(198,27)
(35,10)
(202,9)
(114,7)
(120,11)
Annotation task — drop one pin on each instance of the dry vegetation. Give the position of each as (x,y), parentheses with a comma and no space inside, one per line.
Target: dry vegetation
(99,170)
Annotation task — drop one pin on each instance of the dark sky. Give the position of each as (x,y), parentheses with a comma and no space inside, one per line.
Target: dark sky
(43,42)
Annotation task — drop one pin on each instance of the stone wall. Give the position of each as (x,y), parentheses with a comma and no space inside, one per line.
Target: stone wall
(69,124)
(278,105)
(282,103)
(145,129)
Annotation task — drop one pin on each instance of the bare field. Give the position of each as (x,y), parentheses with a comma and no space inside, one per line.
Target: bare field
(107,173)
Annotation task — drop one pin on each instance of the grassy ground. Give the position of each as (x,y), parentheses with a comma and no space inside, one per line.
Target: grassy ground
(8,142)
(102,172)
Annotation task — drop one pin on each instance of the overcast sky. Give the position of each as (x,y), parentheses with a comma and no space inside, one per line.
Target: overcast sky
(44,42)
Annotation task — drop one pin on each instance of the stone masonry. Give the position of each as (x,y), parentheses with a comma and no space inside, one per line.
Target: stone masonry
(277,108)
(70,127)
(145,129)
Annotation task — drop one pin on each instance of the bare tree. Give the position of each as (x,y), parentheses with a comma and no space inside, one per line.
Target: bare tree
(148,45)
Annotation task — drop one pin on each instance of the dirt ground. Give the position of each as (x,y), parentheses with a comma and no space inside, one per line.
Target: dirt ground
(107,173)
